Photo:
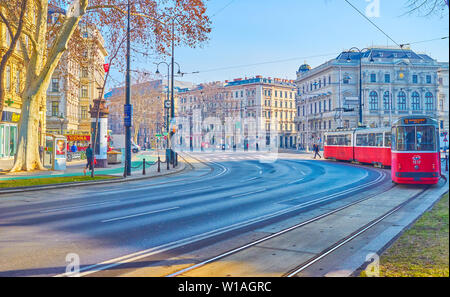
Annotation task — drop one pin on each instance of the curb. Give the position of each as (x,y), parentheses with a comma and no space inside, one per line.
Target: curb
(93,183)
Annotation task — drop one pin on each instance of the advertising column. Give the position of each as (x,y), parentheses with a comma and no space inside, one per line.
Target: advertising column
(101,137)
(60,153)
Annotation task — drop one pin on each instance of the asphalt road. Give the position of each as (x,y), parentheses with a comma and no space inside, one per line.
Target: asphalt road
(99,223)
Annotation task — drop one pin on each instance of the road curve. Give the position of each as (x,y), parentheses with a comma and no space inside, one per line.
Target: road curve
(100,223)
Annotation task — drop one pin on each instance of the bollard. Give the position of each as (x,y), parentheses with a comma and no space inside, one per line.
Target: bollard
(446,162)
(143,167)
(173,159)
(176,159)
(159,164)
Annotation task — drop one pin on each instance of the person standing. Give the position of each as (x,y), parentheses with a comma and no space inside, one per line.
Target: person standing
(89,155)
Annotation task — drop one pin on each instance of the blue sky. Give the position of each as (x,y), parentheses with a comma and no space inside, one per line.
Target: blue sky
(256,31)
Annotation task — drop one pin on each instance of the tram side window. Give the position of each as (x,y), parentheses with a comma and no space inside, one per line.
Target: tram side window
(387,139)
(371,139)
(331,140)
(362,140)
(426,140)
(379,139)
(348,140)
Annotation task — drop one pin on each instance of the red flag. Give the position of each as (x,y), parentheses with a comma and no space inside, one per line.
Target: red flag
(106,67)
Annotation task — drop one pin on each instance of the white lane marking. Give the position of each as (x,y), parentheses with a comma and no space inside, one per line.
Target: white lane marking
(78,206)
(296,181)
(335,194)
(248,193)
(250,179)
(139,214)
(193,190)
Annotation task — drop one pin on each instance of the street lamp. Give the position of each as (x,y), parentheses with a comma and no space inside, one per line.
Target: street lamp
(360,122)
(169,101)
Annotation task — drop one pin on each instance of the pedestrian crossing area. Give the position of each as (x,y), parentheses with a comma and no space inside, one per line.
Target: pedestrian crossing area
(229,157)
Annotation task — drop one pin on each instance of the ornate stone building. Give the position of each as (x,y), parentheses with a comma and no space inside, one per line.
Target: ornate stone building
(395,82)
(267,103)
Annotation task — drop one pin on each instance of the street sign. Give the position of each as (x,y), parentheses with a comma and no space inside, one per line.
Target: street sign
(167,104)
(128,115)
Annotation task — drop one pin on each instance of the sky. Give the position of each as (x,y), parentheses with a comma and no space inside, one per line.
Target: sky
(281,35)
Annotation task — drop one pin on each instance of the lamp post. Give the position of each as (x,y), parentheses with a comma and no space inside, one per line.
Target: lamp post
(170,110)
(360,120)
(127,107)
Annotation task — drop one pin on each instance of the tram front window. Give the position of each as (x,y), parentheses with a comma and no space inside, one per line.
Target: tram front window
(418,138)
(426,138)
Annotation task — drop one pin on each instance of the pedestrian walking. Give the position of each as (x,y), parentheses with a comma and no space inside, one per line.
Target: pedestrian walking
(316,151)
(89,157)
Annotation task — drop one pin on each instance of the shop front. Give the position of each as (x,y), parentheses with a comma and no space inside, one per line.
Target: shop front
(8,134)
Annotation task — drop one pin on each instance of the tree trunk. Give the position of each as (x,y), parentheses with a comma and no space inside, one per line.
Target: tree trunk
(39,72)
(27,156)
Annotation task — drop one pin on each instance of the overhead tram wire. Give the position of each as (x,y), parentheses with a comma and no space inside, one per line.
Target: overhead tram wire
(375,25)
(222,9)
(423,41)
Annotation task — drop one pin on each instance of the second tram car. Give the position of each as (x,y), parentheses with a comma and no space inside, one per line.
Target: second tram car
(371,146)
(415,151)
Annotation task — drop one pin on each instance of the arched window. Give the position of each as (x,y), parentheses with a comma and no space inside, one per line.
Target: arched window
(373,100)
(428,101)
(401,100)
(415,101)
(386,100)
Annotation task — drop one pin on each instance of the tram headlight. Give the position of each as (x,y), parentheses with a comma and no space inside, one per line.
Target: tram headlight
(434,167)
(416,167)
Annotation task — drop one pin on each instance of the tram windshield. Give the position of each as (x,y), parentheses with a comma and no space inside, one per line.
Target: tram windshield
(415,138)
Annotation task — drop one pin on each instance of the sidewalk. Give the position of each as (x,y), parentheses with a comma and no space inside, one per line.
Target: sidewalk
(75,168)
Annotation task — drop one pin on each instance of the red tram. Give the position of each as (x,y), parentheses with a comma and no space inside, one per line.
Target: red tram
(370,146)
(413,155)
(415,151)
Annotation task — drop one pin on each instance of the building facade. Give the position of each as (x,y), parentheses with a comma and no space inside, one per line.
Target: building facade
(443,102)
(75,83)
(259,105)
(395,83)
(149,114)
(14,82)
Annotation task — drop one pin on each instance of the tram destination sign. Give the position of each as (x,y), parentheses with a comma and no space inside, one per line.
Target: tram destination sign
(415,121)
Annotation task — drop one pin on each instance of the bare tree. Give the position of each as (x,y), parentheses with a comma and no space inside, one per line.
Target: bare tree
(149,19)
(427,7)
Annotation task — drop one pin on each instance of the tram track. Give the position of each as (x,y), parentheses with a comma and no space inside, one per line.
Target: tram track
(327,251)
(350,237)
(286,230)
(235,228)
